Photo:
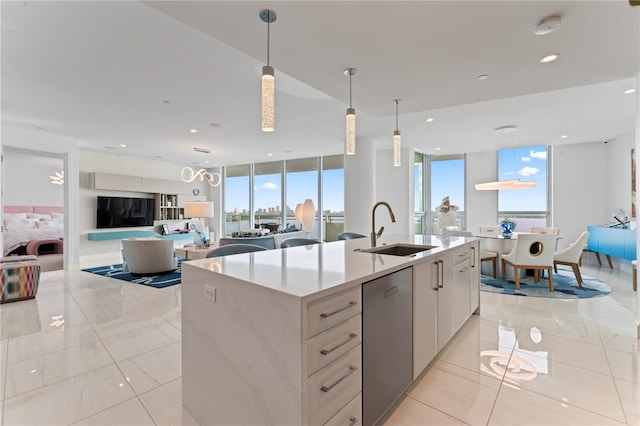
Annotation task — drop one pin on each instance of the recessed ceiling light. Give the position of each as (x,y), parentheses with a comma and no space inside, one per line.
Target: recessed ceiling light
(193,131)
(109,147)
(269,154)
(628,91)
(549,58)
(204,150)
(482,77)
(166,102)
(123,145)
(429,120)
(564,137)
(207,162)
(215,125)
(438,149)
(158,156)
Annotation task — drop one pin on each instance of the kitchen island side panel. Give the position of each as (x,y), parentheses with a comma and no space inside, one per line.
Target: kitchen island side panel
(242,354)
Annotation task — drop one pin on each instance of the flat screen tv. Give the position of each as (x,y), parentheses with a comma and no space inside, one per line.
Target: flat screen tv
(120,212)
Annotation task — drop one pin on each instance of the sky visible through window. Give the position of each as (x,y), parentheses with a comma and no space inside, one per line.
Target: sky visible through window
(526,164)
(300,186)
(447,179)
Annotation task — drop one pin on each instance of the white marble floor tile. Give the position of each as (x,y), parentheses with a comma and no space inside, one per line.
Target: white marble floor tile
(131,343)
(624,365)
(128,413)
(572,385)
(488,331)
(45,343)
(630,396)
(25,376)
(620,340)
(535,324)
(521,407)
(411,413)
(474,355)
(152,369)
(127,321)
(165,405)
(459,393)
(584,355)
(68,401)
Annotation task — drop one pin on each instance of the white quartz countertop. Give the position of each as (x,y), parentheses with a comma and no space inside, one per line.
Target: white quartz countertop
(308,270)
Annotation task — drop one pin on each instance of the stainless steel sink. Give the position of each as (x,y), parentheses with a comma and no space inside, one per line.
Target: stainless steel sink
(399,249)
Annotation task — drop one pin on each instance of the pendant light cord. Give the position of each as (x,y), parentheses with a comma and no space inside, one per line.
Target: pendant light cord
(350,74)
(268,34)
(396,114)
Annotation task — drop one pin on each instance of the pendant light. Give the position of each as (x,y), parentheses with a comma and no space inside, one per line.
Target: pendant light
(397,142)
(268,79)
(350,147)
(505,184)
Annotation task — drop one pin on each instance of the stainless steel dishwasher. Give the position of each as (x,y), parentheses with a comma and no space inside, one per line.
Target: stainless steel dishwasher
(387,342)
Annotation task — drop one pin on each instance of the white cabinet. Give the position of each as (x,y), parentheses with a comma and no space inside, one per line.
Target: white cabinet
(443,277)
(171,206)
(425,315)
(474,279)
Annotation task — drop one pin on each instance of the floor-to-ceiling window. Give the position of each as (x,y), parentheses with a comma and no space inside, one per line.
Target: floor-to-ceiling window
(267,194)
(447,180)
(333,196)
(419,196)
(237,196)
(530,206)
(302,184)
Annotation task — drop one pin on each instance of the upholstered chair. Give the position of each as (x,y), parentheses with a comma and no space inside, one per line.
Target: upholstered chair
(235,249)
(294,242)
(531,251)
(570,256)
(485,255)
(149,256)
(540,230)
(350,236)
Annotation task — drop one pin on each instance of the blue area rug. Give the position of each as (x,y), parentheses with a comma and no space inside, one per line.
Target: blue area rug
(565,286)
(157,281)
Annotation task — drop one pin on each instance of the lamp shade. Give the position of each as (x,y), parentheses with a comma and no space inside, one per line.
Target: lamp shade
(198,209)
(268,99)
(299,212)
(308,215)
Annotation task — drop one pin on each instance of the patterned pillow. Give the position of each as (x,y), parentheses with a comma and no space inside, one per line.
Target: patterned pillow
(14,215)
(57,215)
(44,216)
(48,224)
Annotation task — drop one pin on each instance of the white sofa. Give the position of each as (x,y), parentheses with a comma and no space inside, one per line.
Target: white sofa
(146,256)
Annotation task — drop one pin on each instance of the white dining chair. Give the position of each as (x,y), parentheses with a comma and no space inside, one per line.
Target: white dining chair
(570,256)
(531,251)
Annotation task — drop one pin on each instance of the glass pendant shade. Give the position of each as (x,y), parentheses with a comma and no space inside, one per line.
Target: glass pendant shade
(268,99)
(397,148)
(351,132)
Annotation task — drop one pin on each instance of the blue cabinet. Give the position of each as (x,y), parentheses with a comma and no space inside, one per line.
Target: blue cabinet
(615,242)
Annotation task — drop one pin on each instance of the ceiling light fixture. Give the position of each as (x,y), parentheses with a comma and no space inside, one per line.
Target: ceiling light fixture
(58,178)
(564,137)
(122,145)
(549,58)
(193,131)
(350,147)
(203,150)
(397,141)
(429,120)
(482,77)
(268,79)
(505,184)
(629,91)
(189,175)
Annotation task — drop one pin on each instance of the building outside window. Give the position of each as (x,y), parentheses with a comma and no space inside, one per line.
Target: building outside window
(237,196)
(267,195)
(333,196)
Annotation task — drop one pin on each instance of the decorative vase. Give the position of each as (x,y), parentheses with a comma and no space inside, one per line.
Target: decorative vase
(507,226)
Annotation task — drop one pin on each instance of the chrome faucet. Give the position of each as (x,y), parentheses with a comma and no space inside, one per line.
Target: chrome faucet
(375,235)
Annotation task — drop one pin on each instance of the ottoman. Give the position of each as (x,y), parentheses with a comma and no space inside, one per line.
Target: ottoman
(45,246)
(20,278)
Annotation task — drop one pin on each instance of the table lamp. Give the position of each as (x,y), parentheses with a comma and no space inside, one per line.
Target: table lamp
(199,210)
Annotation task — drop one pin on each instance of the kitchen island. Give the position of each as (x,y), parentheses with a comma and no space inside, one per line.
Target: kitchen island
(274,337)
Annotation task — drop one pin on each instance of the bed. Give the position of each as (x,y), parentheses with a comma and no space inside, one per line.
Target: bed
(23,225)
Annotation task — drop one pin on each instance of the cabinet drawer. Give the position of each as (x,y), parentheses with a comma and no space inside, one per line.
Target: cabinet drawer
(351,415)
(325,313)
(331,388)
(462,254)
(333,343)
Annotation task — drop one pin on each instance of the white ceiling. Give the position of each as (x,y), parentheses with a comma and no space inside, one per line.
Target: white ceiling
(100,73)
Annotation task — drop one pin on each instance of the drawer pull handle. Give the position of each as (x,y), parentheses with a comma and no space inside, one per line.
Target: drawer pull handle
(353,420)
(473,257)
(328,351)
(330,314)
(326,389)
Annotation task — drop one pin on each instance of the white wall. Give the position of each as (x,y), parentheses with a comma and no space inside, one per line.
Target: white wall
(581,184)
(359,187)
(28,182)
(481,206)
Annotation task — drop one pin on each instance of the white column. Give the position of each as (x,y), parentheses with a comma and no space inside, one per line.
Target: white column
(359,187)
(395,186)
